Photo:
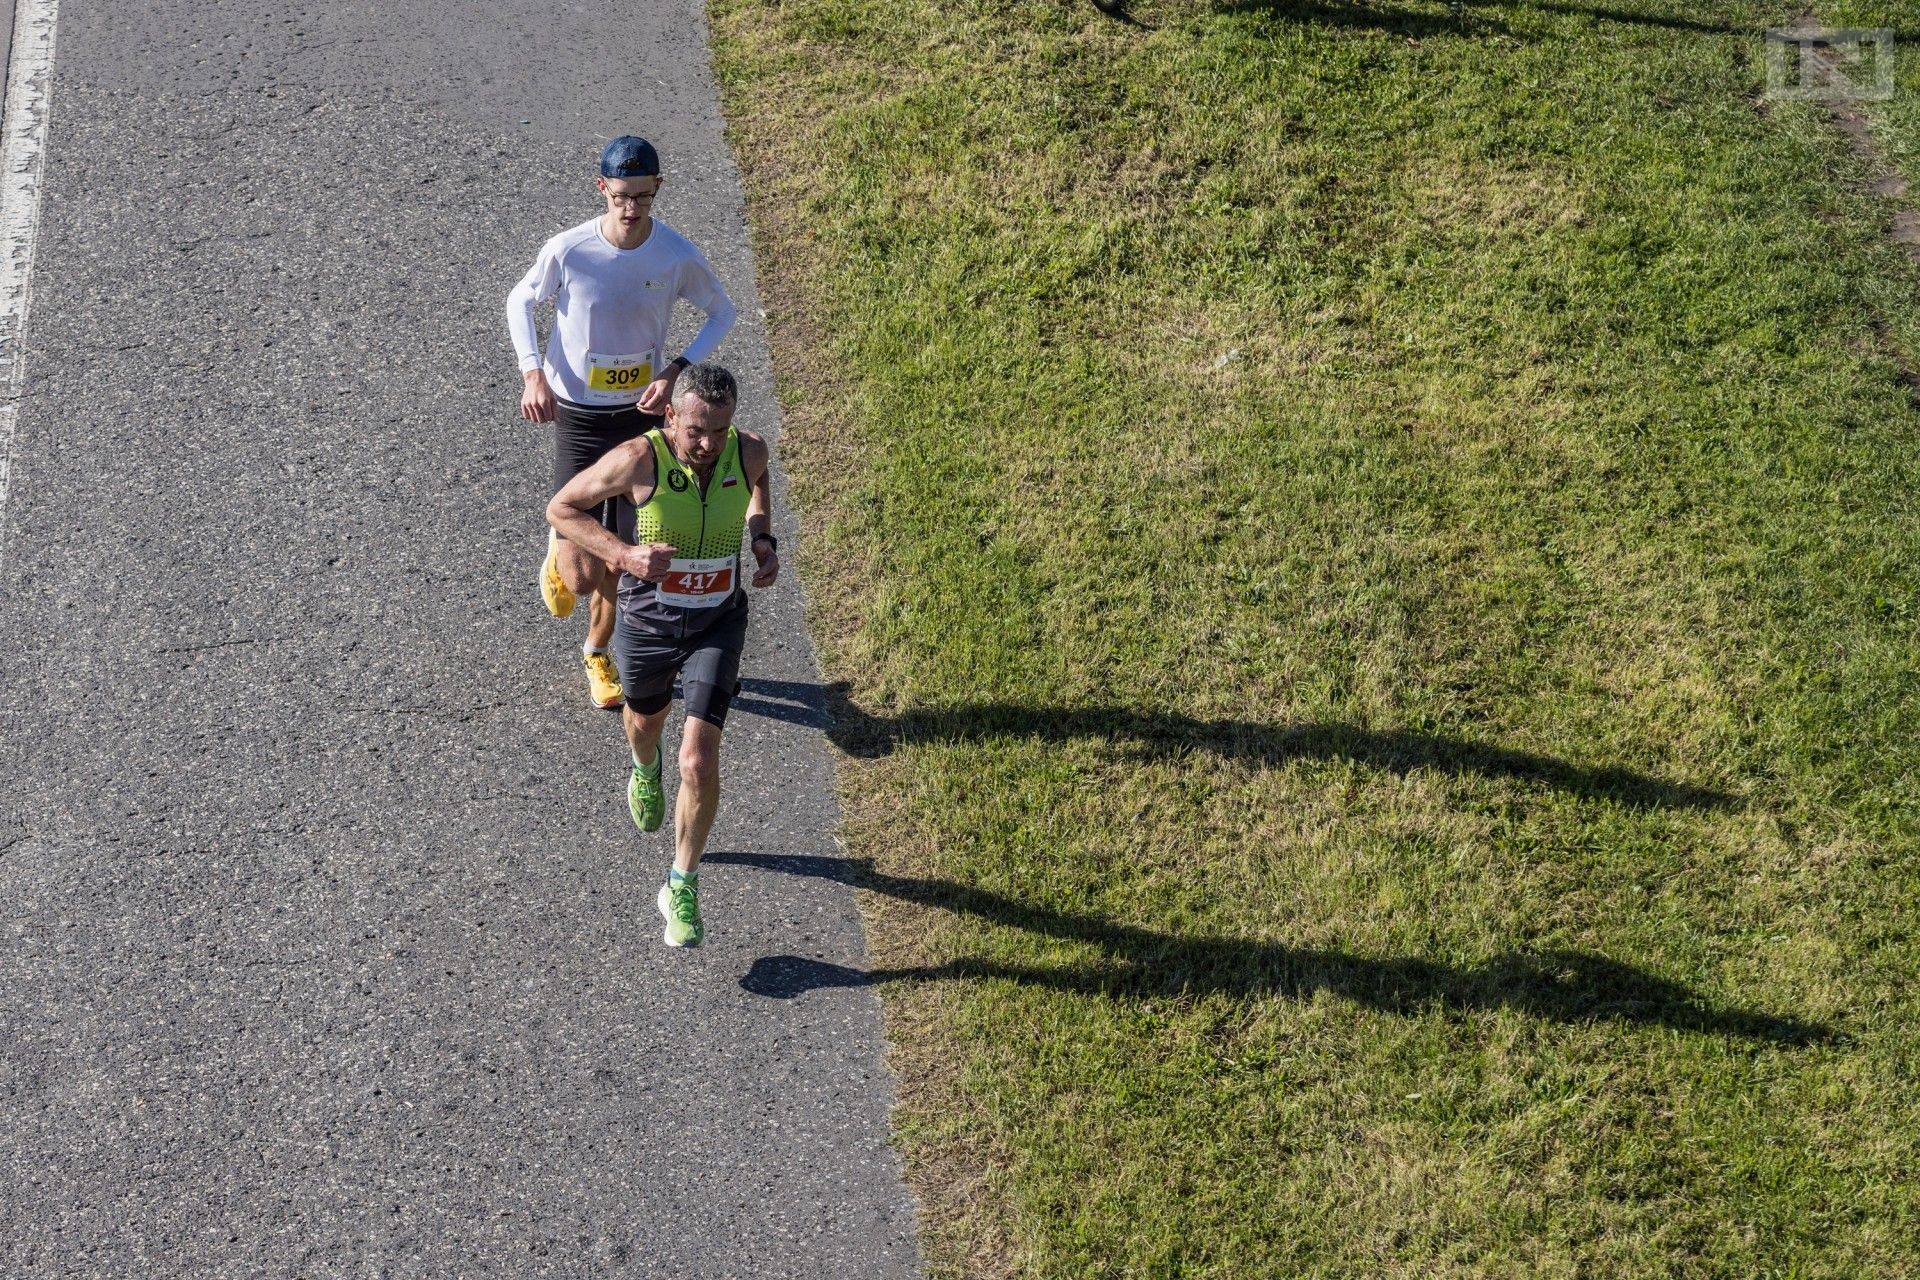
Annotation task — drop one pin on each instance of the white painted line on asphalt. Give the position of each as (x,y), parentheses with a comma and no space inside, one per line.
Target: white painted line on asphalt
(23,135)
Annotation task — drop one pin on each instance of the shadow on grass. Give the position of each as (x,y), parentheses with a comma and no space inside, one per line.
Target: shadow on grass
(1564,986)
(859,734)
(1463,17)
(1334,13)
(1386,17)
(1118,11)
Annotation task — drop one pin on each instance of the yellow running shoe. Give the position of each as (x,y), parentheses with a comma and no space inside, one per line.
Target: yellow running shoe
(553,588)
(603,682)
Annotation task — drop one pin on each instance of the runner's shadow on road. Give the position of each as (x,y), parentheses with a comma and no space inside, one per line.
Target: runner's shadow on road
(1560,985)
(865,736)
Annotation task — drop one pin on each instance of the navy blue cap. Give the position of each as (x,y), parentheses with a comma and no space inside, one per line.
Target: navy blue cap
(629,157)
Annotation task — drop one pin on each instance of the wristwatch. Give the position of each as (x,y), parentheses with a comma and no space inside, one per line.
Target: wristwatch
(767,538)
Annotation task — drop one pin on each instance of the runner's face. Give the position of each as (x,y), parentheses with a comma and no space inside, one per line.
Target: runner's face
(699,430)
(630,200)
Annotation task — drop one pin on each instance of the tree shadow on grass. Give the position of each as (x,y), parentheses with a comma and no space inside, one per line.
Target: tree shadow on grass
(1167,734)
(1560,985)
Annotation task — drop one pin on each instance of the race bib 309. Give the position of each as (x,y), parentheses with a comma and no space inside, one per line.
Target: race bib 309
(612,378)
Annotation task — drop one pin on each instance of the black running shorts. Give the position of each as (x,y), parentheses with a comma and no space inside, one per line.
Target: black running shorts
(707,662)
(582,434)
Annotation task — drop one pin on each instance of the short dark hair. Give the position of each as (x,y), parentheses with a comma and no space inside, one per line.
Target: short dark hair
(710,382)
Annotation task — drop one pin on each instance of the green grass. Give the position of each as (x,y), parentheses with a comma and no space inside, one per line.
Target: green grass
(1372,554)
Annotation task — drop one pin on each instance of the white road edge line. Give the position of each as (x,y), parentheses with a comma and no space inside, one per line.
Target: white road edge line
(23,135)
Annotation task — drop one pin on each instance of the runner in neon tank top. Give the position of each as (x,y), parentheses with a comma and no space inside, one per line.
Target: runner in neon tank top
(695,485)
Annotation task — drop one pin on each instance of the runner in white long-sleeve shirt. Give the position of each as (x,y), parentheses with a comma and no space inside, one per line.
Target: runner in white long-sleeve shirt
(613,283)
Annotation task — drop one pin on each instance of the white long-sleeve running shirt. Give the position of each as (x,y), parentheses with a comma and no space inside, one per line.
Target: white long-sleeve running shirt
(612,309)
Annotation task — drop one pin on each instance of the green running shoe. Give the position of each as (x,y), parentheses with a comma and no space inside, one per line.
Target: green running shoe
(646,800)
(680,906)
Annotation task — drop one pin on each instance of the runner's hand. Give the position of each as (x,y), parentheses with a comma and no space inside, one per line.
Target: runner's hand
(659,391)
(648,563)
(536,398)
(769,566)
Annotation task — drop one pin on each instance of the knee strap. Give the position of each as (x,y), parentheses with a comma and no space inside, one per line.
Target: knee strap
(648,704)
(709,702)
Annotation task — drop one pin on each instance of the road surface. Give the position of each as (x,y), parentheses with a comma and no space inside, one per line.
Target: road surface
(326,945)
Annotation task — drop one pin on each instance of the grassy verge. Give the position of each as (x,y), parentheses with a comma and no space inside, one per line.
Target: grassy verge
(1371,553)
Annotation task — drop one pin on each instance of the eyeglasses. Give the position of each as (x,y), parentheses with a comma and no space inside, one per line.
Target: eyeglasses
(621,197)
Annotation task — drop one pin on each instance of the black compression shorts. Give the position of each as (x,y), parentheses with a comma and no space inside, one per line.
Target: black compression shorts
(582,434)
(707,662)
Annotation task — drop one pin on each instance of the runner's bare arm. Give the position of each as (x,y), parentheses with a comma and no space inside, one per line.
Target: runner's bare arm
(615,475)
(756,460)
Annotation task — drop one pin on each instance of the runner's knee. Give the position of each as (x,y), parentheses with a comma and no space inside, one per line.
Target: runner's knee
(579,570)
(699,765)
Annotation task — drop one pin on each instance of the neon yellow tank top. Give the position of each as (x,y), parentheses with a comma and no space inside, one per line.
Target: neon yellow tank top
(703,529)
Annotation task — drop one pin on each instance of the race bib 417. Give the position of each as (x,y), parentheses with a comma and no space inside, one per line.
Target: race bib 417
(697,584)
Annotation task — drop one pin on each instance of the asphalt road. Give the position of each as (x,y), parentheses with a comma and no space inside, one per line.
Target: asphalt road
(326,945)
